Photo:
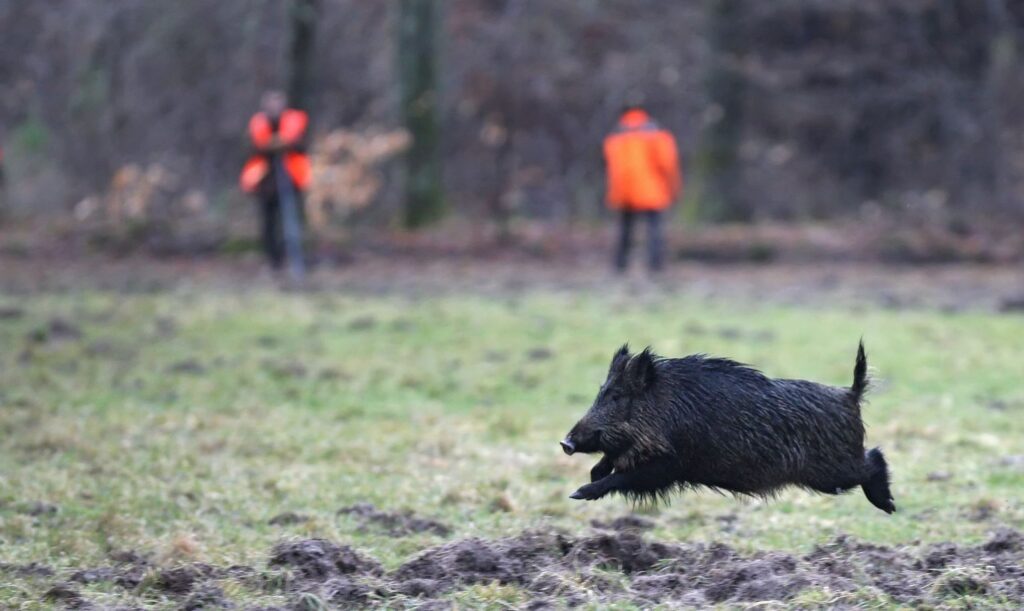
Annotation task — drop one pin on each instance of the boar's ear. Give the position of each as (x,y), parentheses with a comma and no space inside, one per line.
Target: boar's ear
(619,360)
(640,372)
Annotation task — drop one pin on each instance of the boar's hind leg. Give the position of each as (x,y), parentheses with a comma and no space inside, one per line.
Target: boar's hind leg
(838,479)
(602,469)
(871,474)
(876,488)
(647,480)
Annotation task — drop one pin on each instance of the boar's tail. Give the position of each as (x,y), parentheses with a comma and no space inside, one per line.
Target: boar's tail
(860,373)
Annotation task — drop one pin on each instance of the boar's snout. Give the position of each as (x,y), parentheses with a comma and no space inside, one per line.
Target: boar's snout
(582,439)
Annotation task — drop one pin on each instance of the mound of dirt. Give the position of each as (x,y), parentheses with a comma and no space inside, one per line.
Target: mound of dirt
(559,569)
(627,522)
(181,579)
(65,594)
(321,559)
(469,561)
(38,508)
(206,596)
(56,330)
(32,569)
(187,367)
(287,519)
(11,312)
(616,565)
(395,524)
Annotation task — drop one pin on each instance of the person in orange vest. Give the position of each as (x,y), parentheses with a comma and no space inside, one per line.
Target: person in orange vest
(275,130)
(642,164)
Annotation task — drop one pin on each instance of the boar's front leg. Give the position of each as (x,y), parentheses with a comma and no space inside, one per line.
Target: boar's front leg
(602,469)
(647,479)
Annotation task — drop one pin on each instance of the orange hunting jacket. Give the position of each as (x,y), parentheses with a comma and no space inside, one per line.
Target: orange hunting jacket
(291,128)
(642,165)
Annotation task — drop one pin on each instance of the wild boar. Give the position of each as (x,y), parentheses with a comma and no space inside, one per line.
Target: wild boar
(665,424)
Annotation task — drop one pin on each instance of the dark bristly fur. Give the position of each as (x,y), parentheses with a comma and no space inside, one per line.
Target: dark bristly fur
(666,424)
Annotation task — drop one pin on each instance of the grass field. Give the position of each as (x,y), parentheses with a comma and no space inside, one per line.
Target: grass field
(177,424)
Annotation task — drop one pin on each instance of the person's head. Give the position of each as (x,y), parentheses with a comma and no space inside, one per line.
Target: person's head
(629,108)
(273,102)
(633,101)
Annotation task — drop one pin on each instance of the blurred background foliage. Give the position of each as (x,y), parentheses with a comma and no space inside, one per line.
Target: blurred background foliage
(792,110)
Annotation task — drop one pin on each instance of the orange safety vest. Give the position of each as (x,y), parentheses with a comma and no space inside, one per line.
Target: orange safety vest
(291,129)
(642,165)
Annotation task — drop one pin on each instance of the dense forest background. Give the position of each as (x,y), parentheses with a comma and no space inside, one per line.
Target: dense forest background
(787,110)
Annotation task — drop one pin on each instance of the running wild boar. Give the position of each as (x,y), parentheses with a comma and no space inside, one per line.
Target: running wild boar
(665,424)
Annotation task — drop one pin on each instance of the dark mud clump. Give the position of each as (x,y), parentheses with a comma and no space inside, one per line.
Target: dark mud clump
(65,594)
(287,518)
(772,577)
(321,559)
(32,569)
(11,312)
(540,353)
(344,591)
(545,564)
(1012,304)
(1005,540)
(395,524)
(131,568)
(57,329)
(38,508)
(206,596)
(181,579)
(557,569)
(187,367)
(507,561)
(554,569)
(625,551)
(95,575)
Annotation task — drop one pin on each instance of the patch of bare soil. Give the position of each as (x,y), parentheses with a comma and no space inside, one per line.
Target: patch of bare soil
(187,367)
(11,313)
(616,564)
(287,518)
(56,330)
(67,595)
(395,524)
(32,569)
(950,287)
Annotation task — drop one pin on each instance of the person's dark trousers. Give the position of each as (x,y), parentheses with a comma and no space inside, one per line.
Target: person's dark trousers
(655,241)
(272,233)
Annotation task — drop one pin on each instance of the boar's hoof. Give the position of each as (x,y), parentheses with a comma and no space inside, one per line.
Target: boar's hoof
(590,492)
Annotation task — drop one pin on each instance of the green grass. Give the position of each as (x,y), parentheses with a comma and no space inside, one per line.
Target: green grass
(184,444)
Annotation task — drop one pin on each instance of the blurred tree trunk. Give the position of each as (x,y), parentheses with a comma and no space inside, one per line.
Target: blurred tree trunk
(418,71)
(300,76)
(718,163)
(999,98)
